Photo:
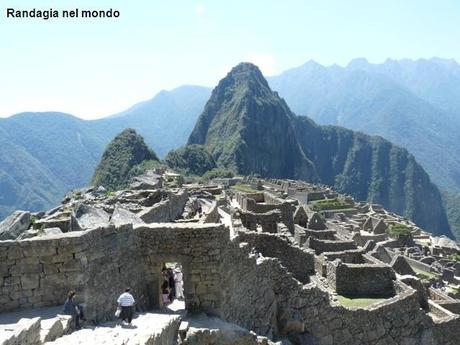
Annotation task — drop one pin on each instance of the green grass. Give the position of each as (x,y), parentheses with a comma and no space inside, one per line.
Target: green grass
(245,188)
(399,230)
(423,274)
(358,302)
(330,204)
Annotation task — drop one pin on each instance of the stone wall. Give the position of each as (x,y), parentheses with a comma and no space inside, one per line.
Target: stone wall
(321,246)
(266,202)
(199,249)
(259,295)
(298,261)
(101,263)
(301,234)
(361,280)
(268,221)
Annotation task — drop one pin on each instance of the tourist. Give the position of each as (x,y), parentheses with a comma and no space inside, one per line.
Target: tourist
(165,293)
(172,285)
(72,308)
(179,283)
(126,303)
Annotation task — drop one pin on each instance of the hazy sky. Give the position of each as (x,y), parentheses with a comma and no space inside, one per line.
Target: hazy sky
(97,67)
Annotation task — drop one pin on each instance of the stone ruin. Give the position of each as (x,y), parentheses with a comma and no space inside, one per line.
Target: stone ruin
(259,268)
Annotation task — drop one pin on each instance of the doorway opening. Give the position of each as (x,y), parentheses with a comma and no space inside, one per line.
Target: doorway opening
(168,282)
(172,296)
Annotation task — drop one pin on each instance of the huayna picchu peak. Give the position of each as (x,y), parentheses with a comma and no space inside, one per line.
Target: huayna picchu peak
(247,127)
(125,156)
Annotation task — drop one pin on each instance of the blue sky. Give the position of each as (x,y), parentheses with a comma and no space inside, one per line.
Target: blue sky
(97,67)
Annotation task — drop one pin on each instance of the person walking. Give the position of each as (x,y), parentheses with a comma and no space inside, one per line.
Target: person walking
(126,302)
(75,310)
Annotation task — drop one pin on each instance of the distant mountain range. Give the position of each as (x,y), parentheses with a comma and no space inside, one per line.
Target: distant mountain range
(412,103)
(44,155)
(415,104)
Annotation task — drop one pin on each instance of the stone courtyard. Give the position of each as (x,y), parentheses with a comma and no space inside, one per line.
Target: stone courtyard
(264,261)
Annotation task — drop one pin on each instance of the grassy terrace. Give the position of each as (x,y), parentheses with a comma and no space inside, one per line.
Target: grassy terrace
(358,302)
(245,188)
(329,204)
(423,274)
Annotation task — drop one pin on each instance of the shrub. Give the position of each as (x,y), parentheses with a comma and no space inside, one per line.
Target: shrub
(217,173)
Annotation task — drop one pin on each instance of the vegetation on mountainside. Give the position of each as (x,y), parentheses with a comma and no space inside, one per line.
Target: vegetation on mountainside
(399,231)
(329,204)
(413,104)
(372,169)
(217,173)
(190,160)
(60,152)
(125,156)
(240,122)
(452,205)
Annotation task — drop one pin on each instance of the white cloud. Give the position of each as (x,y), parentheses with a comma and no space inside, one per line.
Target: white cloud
(199,10)
(266,62)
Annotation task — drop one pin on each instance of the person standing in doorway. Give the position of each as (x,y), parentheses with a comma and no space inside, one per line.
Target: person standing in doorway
(179,282)
(172,285)
(126,303)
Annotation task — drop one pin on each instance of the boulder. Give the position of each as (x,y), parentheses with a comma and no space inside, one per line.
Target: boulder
(59,219)
(14,225)
(88,217)
(122,216)
(212,330)
(28,234)
(51,231)
(149,180)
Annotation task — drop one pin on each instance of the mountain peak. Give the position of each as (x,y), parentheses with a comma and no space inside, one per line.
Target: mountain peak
(239,123)
(245,73)
(358,63)
(123,156)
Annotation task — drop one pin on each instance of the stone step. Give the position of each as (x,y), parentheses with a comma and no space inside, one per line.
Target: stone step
(146,329)
(25,332)
(54,328)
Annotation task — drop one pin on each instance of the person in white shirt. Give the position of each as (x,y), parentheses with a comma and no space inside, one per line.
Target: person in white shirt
(179,283)
(126,302)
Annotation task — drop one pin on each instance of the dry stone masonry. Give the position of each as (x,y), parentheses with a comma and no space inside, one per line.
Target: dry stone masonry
(263,261)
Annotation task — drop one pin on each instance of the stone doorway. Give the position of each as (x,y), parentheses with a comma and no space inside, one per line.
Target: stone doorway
(172,296)
(164,272)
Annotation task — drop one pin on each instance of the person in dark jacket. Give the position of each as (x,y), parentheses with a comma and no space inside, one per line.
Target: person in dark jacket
(172,285)
(72,308)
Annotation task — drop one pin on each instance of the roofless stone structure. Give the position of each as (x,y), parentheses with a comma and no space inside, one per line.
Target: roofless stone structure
(286,268)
